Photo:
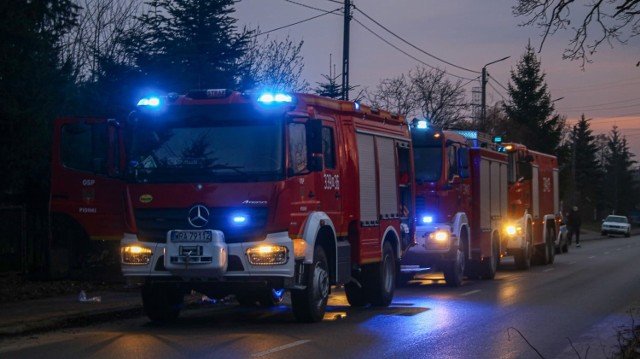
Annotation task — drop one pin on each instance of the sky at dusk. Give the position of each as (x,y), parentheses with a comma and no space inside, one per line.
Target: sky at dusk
(466,33)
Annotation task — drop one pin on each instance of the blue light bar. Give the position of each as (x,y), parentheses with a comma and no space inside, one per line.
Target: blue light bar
(427,219)
(269,98)
(422,124)
(149,101)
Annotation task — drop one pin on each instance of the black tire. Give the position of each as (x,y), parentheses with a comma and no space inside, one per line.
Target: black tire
(522,257)
(628,234)
(310,304)
(379,279)
(551,246)
(454,270)
(162,303)
(489,266)
(355,294)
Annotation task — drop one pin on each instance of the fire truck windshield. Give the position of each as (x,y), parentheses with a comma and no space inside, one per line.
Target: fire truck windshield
(428,163)
(204,145)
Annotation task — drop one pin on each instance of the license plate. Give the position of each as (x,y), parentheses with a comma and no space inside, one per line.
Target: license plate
(191,236)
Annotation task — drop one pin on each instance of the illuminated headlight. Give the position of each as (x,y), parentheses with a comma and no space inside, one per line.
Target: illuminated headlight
(135,255)
(427,219)
(512,230)
(439,236)
(266,255)
(438,240)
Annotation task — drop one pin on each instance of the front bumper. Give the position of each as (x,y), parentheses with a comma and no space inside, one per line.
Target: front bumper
(222,261)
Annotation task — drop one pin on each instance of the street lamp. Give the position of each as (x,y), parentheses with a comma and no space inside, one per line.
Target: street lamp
(483,108)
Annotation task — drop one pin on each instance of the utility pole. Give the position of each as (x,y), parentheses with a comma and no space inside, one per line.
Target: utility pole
(345,50)
(483,106)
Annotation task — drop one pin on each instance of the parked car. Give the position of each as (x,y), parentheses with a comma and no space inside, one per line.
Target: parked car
(616,225)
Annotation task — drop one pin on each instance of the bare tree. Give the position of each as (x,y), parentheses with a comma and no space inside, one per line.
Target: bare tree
(395,95)
(423,93)
(101,25)
(439,99)
(603,21)
(275,64)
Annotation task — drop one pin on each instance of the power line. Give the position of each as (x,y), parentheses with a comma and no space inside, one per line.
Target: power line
(496,90)
(298,22)
(412,45)
(404,52)
(309,6)
(602,104)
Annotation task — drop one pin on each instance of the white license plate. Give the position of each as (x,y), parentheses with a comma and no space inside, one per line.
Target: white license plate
(191,236)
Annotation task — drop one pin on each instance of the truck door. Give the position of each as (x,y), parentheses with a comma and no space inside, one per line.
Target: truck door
(87,193)
(331,194)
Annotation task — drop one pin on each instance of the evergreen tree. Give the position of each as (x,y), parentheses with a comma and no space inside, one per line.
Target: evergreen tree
(621,189)
(331,88)
(191,44)
(585,170)
(33,87)
(532,121)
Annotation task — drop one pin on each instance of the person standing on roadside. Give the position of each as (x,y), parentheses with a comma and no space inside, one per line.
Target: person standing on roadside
(573,225)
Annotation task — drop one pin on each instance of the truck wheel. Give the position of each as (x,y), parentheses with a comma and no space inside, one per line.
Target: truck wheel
(380,278)
(522,257)
(454,270)
(489,266)
(309,304)
(355,293)
(551,246)
(162,303)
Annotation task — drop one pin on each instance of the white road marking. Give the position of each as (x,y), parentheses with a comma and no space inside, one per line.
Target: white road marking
(591,257)
(548,269)
(470,292)
(280,348)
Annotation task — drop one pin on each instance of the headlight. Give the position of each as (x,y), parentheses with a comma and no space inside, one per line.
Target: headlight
(266,255)
(438,240)
(136,255)
(439,236)
(512,230)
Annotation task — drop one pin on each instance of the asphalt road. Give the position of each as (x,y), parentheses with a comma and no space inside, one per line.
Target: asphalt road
(574,308)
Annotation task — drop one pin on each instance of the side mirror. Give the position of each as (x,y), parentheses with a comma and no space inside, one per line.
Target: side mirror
(455,179)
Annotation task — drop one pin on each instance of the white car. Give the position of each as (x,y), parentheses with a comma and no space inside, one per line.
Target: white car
(616,225)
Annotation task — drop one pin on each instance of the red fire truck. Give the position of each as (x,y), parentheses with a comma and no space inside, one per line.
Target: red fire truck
(461,200)
(238,193)
(534,207)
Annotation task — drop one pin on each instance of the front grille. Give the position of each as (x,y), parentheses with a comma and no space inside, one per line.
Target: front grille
(153,224)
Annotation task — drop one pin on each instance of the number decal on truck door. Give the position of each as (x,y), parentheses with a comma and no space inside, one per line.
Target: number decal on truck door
(331,181)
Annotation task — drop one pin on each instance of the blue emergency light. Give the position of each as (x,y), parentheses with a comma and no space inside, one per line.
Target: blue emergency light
(268,98)
(149,101)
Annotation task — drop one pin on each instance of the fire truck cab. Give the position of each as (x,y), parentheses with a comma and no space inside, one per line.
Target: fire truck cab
(460,203)
(534,209)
